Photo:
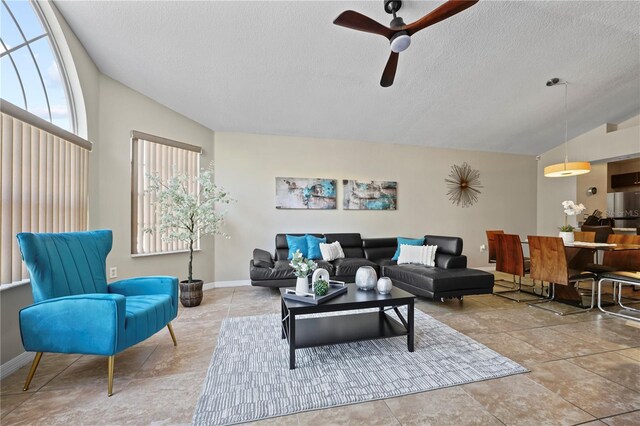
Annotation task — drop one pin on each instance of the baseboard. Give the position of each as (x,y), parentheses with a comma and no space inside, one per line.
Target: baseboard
(225,284)
(13,365)
(486,268)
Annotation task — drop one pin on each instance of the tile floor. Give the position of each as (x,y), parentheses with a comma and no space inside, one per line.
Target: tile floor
(585,369)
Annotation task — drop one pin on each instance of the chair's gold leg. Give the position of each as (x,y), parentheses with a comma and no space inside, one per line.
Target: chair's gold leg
(173,336)
(34,367)
(112,360)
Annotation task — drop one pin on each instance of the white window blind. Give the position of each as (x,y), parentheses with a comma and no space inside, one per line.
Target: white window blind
(44,173)
(150,155)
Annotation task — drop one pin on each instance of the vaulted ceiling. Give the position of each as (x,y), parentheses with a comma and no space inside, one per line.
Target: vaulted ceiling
(475,81)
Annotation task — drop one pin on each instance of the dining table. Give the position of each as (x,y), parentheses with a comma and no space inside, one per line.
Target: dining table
(579,255)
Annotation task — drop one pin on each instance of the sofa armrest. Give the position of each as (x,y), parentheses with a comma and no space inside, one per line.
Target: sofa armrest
(150,285)
(449,261)
(262,259)
(85,324)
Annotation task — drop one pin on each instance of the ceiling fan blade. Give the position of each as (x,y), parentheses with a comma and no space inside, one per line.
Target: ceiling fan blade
(357,21)
(441,13)
(389,72)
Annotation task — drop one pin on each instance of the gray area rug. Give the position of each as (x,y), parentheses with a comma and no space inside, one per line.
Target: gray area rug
(249,377)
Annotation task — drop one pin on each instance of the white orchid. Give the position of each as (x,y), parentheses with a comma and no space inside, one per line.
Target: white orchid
(185,215)
(570,209)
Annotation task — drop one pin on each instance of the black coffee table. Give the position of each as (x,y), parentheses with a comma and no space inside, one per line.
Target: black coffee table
(320,331)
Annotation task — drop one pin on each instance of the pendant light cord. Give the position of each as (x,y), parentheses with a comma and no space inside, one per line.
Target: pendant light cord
(566,124)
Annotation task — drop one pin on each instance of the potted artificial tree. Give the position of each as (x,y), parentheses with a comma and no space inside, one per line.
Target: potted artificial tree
(185,216)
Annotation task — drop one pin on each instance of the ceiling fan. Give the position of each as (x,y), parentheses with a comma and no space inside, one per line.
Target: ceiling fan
(398,33)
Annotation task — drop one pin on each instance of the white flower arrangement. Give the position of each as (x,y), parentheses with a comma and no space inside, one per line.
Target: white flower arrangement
(185,215)
(302,267)
(570,209)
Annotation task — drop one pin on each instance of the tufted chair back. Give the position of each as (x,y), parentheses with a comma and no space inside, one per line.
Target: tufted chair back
(66,264)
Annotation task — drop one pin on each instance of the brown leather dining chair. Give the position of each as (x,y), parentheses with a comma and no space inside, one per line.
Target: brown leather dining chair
(549,263)
(491,244)
(510,260)
(602,232)
(585,237)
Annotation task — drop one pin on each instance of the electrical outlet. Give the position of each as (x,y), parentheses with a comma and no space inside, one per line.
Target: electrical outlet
(483,247)
(113,272)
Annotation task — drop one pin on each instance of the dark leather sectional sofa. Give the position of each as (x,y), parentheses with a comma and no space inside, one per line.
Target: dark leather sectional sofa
(449,278)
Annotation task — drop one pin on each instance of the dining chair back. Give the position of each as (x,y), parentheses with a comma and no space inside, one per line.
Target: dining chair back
(585,237)
(548,260)
(602,232)
(509,255)
(491,244)
(626,260)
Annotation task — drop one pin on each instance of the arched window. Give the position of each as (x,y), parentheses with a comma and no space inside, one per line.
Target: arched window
(31,75)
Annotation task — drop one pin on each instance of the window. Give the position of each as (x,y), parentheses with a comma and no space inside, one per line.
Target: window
(31,75)
(44,183)
(149,155)
(44,166)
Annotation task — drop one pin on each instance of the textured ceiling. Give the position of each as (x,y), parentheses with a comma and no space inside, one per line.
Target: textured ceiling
(475,81)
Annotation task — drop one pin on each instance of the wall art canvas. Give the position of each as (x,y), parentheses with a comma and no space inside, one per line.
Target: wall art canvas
(371,195)
(306,193)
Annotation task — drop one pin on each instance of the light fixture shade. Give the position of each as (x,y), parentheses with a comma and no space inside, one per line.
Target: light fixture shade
(567,169)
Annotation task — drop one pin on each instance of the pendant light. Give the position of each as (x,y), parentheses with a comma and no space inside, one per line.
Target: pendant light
(565,169)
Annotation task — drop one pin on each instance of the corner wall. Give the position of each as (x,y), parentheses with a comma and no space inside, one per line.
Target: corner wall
(247,165)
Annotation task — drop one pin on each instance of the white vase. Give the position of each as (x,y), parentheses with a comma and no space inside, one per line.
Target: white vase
(366,278)
(567,237)
(302,286)
(384,285)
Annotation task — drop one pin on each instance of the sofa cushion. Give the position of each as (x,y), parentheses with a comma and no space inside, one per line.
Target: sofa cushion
(351,243)
(262,258)
(378,249)
(407,241)
(282,248)
(349,266)
(281,270)
(145,315)
(313,246)
(446,245)
(438,280)
(297,243)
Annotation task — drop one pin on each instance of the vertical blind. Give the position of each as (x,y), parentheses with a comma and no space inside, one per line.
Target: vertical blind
(156,155)
(44,173)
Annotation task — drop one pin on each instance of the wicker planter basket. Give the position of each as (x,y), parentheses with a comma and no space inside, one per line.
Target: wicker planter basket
(191,293)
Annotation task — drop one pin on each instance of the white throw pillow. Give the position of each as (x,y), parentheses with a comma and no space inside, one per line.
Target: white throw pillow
(431,255)
(411,254)
(421,255)
(331,251)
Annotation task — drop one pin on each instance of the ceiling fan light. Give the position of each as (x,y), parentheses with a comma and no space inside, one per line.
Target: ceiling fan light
(567,169)
(400,42)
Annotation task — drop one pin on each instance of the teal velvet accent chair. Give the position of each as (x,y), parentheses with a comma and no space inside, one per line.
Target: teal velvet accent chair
(76,311)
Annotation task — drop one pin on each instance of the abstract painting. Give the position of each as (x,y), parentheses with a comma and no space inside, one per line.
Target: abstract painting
(371,195)
(306,193)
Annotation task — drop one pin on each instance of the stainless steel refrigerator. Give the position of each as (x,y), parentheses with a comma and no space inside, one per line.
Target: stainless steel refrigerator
(624,209)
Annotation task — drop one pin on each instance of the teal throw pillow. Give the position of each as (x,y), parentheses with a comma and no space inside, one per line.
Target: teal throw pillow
(408,241)
(313,246)
(296,243)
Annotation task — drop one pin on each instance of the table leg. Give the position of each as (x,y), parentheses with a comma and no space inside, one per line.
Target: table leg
(410,344)
(283,310)
(292,341)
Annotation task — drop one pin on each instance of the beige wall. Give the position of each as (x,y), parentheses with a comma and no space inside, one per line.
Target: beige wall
(247,165)
(601,143)
(596,178)
(122,110)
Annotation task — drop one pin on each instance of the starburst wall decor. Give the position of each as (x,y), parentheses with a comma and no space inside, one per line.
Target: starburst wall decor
(463,183)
